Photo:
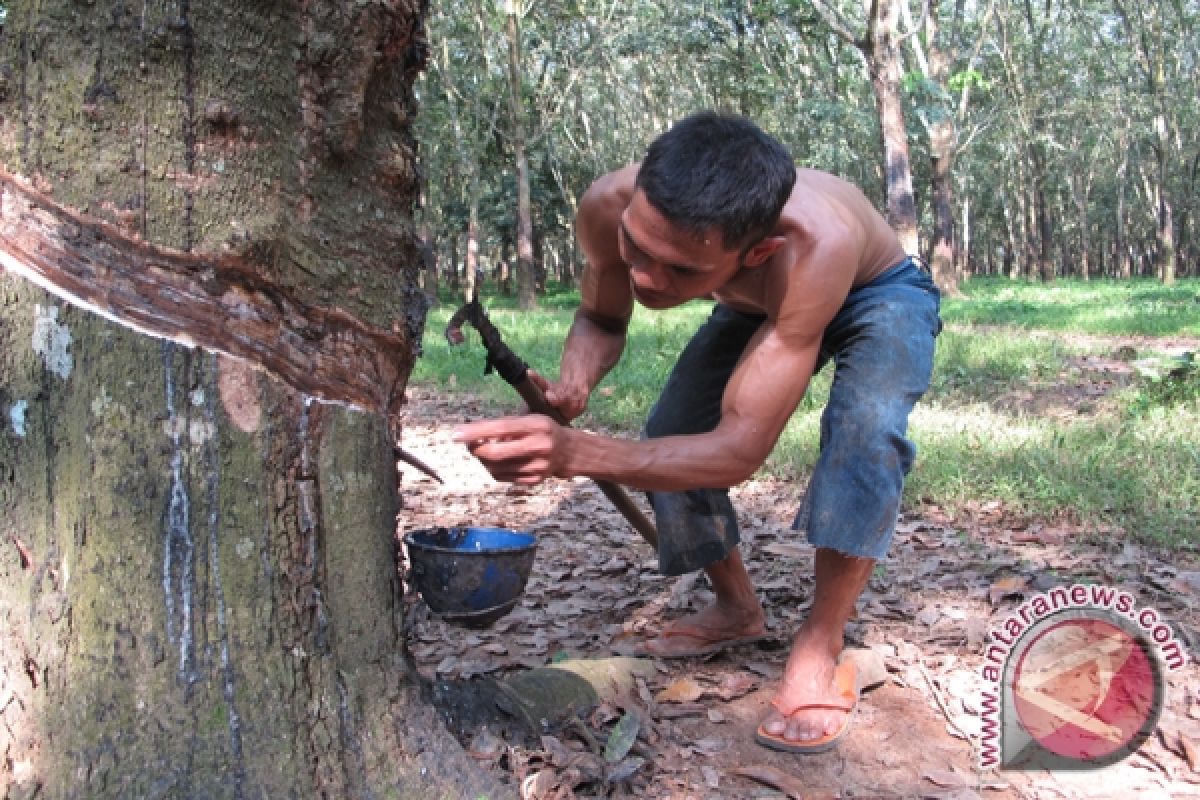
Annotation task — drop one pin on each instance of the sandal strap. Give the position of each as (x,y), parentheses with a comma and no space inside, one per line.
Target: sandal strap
(848,705)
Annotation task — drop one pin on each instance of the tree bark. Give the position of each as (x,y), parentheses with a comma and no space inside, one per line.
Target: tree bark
(198,579)
(941,144)
(1164,212)
(880,49)
(526,280)
(1080,189)
(942,128)
(882,53)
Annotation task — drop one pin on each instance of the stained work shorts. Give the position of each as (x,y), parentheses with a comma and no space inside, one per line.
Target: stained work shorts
(881,343)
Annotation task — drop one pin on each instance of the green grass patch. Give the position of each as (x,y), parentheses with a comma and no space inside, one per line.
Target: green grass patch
(623,398)
(1131,462)
(1139,307)
(1141,473)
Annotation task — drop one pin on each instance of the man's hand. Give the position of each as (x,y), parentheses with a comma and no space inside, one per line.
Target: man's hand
(524,450)
(570,400)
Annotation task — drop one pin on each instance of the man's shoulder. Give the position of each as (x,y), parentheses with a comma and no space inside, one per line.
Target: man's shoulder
(598,217)
(610,193)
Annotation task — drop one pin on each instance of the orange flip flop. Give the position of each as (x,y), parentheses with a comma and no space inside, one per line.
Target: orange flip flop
(845,682)
(710,642)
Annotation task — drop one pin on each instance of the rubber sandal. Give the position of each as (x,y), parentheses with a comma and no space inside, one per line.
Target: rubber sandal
(845,680)
(711,642)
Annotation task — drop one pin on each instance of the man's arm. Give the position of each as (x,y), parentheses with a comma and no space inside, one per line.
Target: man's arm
(756,406)
(597,337)
(764,390)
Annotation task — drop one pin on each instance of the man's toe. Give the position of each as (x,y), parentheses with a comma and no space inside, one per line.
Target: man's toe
(775,724)
(800,731)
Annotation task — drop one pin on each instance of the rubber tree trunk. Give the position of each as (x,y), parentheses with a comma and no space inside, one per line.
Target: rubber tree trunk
(526,279)
(198,586)
(942,262)
(1164,216)
(882,54)
(942,130)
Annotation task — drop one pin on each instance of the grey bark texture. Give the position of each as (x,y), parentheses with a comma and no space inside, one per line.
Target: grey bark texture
(198,585)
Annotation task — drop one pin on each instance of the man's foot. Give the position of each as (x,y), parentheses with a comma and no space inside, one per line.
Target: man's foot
(813,706)
(706,632)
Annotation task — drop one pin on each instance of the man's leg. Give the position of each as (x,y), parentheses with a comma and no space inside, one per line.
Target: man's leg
(808,677)
(698,529)
(736,614)
(882,345)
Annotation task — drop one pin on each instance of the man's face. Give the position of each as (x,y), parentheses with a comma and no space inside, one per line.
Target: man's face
(667,266)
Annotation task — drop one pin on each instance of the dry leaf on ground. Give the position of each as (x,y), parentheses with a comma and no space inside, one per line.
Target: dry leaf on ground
(684,690)
(776,778)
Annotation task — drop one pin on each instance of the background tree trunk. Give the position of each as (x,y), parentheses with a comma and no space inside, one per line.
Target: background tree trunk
(880,49)
(526,280)
(198,580)
(882,52)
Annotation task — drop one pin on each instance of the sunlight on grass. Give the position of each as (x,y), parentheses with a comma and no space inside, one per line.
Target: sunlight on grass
(1144,472)
(1139,307)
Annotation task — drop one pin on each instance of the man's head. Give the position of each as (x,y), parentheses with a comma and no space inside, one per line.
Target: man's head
(718,172)
(706,200)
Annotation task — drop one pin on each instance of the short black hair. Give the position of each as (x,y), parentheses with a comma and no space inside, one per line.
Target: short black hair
(719,171)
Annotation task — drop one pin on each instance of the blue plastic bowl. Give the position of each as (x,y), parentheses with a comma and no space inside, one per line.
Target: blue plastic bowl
(470,576)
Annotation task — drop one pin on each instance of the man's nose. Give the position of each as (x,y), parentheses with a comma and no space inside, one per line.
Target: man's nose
(649,275)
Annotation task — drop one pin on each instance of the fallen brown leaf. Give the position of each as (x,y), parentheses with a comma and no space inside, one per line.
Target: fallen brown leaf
(929,615)
(735,685)
(684,690)
(872,671)
(677,711)
(539,784)
(625,769)
(787,550)
(773,777)
(711,745)
(1008,585)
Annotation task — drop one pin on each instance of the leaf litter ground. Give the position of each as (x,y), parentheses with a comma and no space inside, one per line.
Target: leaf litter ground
(687,732)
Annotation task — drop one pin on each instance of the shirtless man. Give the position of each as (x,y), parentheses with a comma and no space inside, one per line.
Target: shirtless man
(804,270)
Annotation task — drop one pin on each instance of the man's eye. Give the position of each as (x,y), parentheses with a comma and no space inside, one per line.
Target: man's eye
(686,272)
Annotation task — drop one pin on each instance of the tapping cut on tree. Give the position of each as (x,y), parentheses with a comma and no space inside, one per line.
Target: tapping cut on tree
(221,304)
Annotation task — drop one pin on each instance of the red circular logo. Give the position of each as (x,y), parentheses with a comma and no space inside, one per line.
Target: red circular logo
(1087,689)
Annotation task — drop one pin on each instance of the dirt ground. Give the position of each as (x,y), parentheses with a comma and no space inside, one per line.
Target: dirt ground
(925,615)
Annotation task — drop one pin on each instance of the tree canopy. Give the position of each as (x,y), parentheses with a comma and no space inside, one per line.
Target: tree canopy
(1045,139)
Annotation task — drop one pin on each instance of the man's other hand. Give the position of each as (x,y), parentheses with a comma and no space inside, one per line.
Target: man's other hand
(525,450)
(570,400)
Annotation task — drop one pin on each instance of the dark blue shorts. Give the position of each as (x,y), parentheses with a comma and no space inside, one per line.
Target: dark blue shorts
(881,343)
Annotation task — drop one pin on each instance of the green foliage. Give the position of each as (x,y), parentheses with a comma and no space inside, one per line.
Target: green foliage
(1166,382)
(622,738)
(1051,104)
(967,79)
(1141,475)
(974,365)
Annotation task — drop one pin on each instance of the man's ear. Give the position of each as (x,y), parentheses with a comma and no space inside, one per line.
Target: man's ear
(758,253)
